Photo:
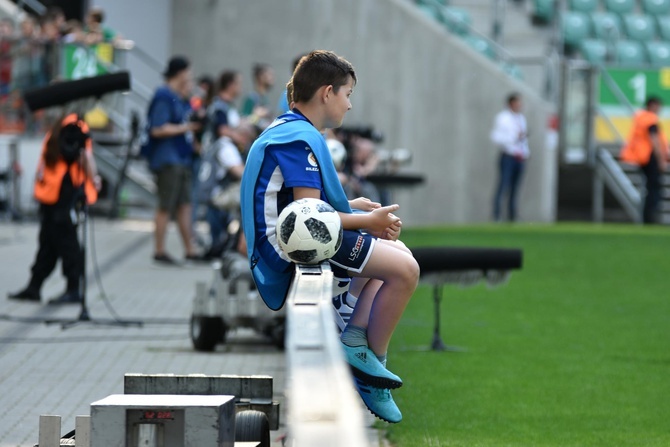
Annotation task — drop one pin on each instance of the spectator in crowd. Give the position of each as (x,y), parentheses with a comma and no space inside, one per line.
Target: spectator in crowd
(256,104)
(283,106)
(647,147)
(200,101)
(95,31)
(364,161)
(73,32)
(57,16)
(226,133)
(6,42)
(27,68)
(510,135)
(170,155)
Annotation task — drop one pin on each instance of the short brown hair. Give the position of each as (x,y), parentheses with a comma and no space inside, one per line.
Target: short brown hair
(317,69)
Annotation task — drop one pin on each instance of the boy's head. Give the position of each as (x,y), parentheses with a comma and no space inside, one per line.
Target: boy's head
(323,78)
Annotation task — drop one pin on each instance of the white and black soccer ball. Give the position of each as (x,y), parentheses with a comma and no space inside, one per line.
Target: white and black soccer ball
(309,231)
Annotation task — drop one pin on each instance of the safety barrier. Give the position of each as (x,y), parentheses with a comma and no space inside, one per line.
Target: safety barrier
(323,408)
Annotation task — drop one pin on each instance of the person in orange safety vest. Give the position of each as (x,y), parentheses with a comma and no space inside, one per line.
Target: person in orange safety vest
(647,147)
(66,174)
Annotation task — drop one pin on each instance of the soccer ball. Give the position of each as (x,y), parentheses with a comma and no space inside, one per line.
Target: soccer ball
(309,231)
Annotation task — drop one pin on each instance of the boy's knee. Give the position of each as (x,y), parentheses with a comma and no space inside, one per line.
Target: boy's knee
(408,271)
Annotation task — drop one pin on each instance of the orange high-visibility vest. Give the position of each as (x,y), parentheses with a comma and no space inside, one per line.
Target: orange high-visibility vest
(48,180)
(639,147)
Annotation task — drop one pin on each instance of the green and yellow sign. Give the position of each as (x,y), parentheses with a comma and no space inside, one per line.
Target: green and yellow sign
(79,61)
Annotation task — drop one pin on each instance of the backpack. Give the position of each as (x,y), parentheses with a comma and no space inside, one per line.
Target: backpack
(146,142)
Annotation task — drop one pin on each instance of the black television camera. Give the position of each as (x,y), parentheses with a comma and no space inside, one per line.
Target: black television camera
(347,133)
(72,141)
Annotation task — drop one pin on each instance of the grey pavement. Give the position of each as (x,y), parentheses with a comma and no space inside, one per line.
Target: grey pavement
(47,370)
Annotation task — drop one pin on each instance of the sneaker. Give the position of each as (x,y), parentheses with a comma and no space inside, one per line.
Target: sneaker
(164,259)
(366,366)
(379,401)
(25,295)
(69,297)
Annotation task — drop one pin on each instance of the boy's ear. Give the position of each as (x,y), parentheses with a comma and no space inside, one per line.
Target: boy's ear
(327,91)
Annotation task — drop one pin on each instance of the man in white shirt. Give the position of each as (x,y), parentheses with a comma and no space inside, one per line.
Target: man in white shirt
(510,135)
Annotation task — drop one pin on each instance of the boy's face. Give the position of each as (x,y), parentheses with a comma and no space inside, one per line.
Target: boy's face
(338,104)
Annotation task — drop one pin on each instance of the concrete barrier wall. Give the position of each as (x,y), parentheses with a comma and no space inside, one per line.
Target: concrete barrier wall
(421,87)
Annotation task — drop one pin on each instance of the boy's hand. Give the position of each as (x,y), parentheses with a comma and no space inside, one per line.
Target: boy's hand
(381,219)
(364,204)
(392,233)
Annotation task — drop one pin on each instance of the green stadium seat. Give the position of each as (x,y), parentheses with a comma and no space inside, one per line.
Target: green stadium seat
(606,25)
(594,51)
(630,52)
(512,69)
(575,27)
(658,53)
(639,27)
(664,27)
(457,20)
(480,45)
(620,6)
(583,5)
(656,7)
(543,10)
(431,12)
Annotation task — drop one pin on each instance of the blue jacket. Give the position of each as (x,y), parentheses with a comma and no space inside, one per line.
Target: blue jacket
(273,285)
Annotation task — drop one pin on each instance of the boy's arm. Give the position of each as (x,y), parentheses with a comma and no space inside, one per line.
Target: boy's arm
(376,222)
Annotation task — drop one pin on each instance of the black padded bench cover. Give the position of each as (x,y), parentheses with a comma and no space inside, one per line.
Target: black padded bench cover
(453,259)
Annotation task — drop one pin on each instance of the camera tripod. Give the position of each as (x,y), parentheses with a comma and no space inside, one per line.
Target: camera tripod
(79,215)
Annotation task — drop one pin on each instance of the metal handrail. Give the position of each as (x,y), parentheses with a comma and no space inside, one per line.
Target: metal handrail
(609,173)
(35,5)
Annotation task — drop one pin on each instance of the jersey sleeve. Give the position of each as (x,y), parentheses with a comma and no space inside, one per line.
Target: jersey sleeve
(298,165)
(161,113)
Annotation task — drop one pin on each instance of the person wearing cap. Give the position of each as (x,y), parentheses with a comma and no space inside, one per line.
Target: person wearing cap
(171,155)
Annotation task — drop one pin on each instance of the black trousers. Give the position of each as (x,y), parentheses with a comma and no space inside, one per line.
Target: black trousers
(652,173)
(57,240)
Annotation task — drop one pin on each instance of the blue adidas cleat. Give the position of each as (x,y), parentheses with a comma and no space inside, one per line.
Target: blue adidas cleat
(379,401)
(366,366)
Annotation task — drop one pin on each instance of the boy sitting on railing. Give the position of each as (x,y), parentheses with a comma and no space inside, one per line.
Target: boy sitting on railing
(280,169)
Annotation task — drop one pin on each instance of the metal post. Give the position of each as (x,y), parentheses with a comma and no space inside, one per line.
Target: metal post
(498,25)
(591,100)
(562,108)
(598,195)
(437,344)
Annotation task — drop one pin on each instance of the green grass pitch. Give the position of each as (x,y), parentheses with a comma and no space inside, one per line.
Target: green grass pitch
(573,351)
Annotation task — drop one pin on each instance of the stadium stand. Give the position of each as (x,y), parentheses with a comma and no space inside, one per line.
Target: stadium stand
(458,21)
(606,25)
(620,6)
(656,7)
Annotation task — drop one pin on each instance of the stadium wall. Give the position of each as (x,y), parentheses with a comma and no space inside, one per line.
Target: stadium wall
(423,88)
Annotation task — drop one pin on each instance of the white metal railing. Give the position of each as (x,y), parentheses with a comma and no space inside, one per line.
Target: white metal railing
(609,173)
(323,409)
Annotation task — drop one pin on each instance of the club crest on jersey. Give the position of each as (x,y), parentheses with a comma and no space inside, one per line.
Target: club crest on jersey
(314,165)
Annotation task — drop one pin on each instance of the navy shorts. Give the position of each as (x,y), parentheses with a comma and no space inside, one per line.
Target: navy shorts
(353,254)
